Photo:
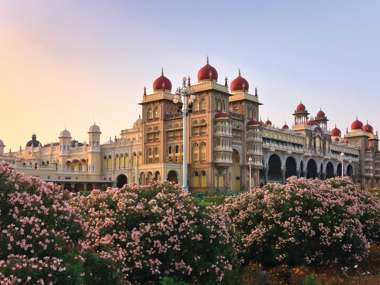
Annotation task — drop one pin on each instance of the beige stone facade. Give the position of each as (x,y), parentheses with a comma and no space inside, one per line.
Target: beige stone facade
(224,131)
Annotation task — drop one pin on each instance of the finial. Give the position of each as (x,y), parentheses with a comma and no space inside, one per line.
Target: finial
(184,81)
(144,90)
(162,71)
(188,81)
(256,93)
(239,72)
(226,81)
(207,61)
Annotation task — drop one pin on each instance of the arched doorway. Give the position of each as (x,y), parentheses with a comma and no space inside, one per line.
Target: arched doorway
(235,171)
(339,170)
(172,176)
(67,186)
(157,176)
(312,171)
(291,167)
(329,170)
(121,180)
(274,168)
(350,170)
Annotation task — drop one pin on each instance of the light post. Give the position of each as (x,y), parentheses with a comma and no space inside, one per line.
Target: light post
(184,97)
(342,157)
(250,173)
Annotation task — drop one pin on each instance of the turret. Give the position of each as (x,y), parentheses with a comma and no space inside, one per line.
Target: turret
(64,141)
(94,160)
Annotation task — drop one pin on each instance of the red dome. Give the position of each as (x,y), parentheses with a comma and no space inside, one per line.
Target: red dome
(356,125)
(239,84)
(321,115)
(207,72)
(301,107)
(285,127)
(368,128)
(335,132)
(162,83)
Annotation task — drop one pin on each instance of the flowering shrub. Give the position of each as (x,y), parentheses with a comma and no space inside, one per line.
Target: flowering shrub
(305,221)
(147,233)
(39,232)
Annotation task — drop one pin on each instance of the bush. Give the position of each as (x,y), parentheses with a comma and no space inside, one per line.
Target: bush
(305,222)
(40,232)
(149,233)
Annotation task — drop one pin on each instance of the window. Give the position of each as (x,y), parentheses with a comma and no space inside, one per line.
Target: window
(203,151)
(203,179)
(156,113)
(202,104)
(150,114)
(195,152)
(196,179)
(196,105)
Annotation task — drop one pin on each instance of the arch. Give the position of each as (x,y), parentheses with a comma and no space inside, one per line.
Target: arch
(121,180)
(157,176)
(235,171)
(172,176)
(195,152)
(274,168)
(290,167)
(203,179)
(196,179)
(350,170)
(202,104)
(329,170)
(149,177)
(156,114)
(202,151)
(142,178)
(321,171)
(196,105)
(339,170)
(150,114)
(311,168)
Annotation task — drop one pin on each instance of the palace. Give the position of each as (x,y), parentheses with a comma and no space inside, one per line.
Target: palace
(224,132)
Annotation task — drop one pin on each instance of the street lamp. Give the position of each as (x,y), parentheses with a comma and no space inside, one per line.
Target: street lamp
(184,97)
(342,157)
(250,173)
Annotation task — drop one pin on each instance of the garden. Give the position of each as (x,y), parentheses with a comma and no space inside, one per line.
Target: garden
(306,231)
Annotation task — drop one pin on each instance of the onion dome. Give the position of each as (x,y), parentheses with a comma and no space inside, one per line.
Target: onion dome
(162,83)
(221,115)
(239,84)
(207,72)
(356,125)
(285,127)
(268,123)
(253,123)
(300,108)
(33,142)
(94,129)
(368,128)
(320,115)
(335,132)
(64,134)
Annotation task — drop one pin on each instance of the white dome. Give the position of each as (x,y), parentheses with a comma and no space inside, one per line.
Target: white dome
(65,134)
(94,129)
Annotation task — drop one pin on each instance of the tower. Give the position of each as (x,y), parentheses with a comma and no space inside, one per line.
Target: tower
(64,147)
(94,159)
(2,146)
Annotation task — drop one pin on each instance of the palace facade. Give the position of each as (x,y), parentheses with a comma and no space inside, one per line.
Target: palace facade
(224,132)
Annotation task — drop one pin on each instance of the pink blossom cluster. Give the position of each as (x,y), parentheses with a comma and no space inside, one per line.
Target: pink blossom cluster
(156,231)
(38,228)
(306,221)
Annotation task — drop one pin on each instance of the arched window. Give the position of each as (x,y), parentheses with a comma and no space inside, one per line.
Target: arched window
(121,162)
(196,179)
(203,179)
(218,105)
(156,113)
(196,105)
(195,152)
(117,162)
(223,106)
(109,162)
(202,104)
(150,114)
(203,151)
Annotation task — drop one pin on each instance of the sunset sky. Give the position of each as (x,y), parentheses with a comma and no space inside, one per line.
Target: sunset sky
(67,64)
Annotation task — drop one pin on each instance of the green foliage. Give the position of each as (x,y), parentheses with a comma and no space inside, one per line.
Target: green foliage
(172,281)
